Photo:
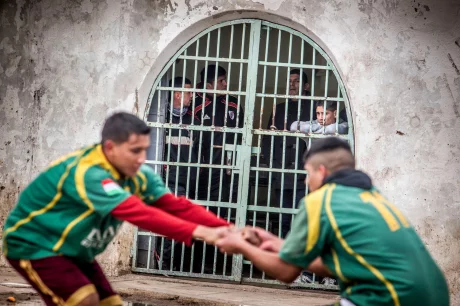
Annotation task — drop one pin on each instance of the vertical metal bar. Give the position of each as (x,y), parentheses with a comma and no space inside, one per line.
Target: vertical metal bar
(182,255)
(294,190)
(179,145)
(267,40)
(201,122)
(229,211)
(272,138)
(212,121)
(302,82)
(338,110)
(149,252)
(256,192)
(197,51)
(245,154)
(134,250)
(273,122)
(170,130)
(283,154)
(157,134)
(326,88)
(313,72)
(223,141)
(201,133)
(161,254)
(235,139)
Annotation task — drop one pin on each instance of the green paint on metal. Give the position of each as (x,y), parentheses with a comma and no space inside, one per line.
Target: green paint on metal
(257,210)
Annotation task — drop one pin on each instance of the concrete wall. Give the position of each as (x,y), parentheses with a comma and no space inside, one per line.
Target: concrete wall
(65,65)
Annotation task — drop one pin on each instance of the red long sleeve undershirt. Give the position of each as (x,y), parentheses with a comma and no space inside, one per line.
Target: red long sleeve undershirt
(171,216)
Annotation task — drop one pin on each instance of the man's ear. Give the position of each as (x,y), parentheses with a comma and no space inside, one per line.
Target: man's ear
(108,145)
(306,87)
(323,170)
(209,86)
(335,114)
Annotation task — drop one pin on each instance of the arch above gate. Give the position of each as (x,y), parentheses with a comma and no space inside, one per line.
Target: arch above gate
(236,146)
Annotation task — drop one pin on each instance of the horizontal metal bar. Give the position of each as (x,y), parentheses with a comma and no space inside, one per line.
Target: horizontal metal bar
(210,58)
(295,134)
(184,274)
(261,169)
(292,285)
(193,127)
(216,203)
(211,91)
(315,98)
(159,162)
(292,65)
(292,211)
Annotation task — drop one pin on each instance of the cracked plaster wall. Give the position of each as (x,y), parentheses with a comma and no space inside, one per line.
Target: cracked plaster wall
(64,65)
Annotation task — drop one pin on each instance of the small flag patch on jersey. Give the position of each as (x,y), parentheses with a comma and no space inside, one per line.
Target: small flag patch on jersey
(110,187)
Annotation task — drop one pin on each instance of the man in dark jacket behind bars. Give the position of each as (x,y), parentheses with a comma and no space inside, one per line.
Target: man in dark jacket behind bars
(180,146)
(288,195)
(219,110)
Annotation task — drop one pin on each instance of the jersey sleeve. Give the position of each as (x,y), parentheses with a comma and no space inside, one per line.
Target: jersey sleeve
(309,235)
(99,190)
(153,186)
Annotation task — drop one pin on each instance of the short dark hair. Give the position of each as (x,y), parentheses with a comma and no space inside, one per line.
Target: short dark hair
(327,144)
(303,74)
(211,74)
(330,105)
(119,126)
(178,82)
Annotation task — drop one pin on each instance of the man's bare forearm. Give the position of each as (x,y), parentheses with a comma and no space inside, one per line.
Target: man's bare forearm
(270,263)
(319,268)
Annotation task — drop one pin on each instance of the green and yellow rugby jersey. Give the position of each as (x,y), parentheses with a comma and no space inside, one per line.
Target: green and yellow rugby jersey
(66,209)
(367,243)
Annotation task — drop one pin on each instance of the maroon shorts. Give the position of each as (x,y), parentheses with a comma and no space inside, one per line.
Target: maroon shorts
(61,281)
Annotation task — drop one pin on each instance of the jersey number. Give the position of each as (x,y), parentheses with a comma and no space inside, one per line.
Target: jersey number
(392,216)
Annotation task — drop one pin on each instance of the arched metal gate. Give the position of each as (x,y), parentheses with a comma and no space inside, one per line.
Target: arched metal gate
(259,58)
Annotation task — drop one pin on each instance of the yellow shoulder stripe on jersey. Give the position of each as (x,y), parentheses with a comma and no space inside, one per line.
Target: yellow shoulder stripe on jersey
(313,205)
(95,157)
(100,159)
(48,206)
(350,251)
(393,208)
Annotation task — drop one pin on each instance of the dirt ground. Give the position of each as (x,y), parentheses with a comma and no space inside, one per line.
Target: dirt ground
(132,298)
(145,290)
(142,298)
(22,299)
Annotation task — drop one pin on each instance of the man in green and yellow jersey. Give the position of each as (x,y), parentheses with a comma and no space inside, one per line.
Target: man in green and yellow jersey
(73,209)
(347,229)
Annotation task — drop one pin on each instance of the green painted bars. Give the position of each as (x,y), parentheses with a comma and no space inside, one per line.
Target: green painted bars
(257,56)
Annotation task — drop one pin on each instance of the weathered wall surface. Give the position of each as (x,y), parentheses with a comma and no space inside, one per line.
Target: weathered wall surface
(64,65)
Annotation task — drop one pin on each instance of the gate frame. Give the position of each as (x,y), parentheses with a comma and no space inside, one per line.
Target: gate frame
(162,65)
